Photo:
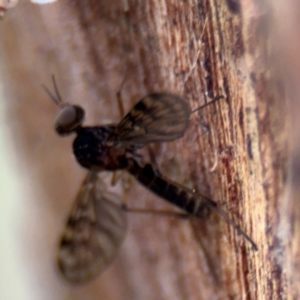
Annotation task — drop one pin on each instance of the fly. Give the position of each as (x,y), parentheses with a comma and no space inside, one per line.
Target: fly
(96,227)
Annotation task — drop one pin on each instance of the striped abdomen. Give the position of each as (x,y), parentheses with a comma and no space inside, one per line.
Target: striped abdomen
(170,191)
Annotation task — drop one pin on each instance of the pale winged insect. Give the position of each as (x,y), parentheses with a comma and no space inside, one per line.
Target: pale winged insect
(95,230)
(96,226)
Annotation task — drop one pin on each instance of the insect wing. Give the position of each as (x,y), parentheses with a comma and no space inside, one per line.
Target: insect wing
(159,117)
(93,234)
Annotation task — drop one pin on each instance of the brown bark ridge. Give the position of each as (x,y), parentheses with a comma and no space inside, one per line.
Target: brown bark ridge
(234,151)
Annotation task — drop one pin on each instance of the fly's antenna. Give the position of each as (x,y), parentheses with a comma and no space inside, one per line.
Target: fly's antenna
(223,214)
(209,103)
(56,98)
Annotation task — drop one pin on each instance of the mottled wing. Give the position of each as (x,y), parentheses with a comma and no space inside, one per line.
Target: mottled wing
(159,117)
(93,234)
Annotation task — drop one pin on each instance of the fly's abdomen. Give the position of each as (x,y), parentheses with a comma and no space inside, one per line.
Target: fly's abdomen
(168,190)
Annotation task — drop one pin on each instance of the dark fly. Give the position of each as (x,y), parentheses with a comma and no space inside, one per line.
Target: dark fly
(96,226)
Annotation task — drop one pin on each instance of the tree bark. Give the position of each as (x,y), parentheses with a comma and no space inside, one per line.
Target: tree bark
(235,151)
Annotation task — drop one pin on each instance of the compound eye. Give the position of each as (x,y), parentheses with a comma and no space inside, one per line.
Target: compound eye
(69,119)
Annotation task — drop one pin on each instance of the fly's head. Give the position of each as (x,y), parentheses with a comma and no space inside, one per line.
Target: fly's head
(70,117)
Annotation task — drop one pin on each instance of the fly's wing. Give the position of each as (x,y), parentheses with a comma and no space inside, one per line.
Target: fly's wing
(93,234)
(157,117)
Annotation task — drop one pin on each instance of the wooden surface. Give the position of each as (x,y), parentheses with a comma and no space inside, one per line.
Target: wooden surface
(235,151)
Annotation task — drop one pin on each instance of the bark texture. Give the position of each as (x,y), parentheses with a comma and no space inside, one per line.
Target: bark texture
(235,151)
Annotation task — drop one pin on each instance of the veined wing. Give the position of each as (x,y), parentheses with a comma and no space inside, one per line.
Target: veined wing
(159,117)
(93,234)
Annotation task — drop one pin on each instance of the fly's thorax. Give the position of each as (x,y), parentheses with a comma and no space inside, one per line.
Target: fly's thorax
(93,152)
(69,119)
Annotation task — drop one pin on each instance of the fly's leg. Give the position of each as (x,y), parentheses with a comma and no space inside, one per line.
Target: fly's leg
(115,178)
(119,97)
(153,161)
(120,103)
(164,213)
(126,182)
(207,104)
